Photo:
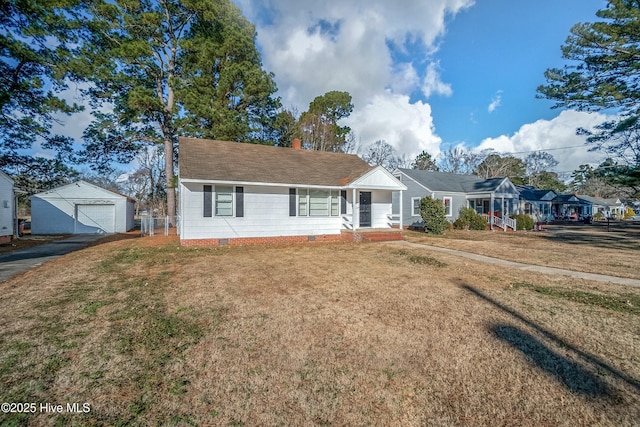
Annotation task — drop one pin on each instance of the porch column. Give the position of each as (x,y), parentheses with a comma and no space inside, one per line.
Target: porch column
(504,214)
(354,218)
(492,212)
(400,209)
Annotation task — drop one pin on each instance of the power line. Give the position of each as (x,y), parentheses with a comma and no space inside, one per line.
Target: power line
(545,149)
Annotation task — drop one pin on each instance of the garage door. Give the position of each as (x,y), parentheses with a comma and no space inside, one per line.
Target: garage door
(95,219)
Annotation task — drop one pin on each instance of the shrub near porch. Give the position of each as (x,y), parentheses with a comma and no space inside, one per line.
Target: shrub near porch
(432,212)
(469,219)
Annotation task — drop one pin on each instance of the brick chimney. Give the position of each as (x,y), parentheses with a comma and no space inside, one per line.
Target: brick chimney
(296,144)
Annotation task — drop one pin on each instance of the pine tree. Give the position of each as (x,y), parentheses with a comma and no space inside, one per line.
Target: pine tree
(164,68)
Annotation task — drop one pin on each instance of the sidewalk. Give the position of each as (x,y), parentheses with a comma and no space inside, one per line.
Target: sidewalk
(527,267)
(16,262)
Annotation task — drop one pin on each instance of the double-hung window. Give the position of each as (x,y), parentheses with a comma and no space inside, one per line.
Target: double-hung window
(318,202)
(335,202)
(224,200)
(415,206)
(222,204)
(448,209)
(303,202)
(315,202)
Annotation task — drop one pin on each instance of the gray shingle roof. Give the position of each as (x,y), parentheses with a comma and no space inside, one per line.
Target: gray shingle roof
(240,162)
(531,193)
(444,181)
(599,201)
(566,199)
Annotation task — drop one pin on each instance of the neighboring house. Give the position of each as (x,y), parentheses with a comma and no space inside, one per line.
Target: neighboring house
(495,197)
(81,208)
(536,203)
(234,193)
(7,208)
(567,206)
(609,208)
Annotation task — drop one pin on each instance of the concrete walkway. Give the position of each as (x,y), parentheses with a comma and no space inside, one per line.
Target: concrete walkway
(527,267)
(16,262)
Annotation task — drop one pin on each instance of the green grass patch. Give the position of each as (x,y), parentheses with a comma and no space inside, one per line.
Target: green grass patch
(93,307)
(419,259)
(624,303)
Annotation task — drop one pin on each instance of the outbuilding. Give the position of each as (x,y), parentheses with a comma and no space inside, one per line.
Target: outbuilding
(81,208)
(7,208)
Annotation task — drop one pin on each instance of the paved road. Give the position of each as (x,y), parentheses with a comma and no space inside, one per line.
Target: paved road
(23,260)
(528,267)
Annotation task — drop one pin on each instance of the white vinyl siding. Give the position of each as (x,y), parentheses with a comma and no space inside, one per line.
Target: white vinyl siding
(6,211)
(266,213)
(224,201)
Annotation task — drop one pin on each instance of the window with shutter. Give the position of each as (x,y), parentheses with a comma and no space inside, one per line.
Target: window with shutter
(224,200)
(207,205)
(239,202)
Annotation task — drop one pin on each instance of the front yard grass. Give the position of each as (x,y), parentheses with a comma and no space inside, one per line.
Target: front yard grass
(578,247)
(151,333)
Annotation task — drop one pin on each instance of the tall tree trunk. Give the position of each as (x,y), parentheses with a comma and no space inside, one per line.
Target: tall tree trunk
(168,170)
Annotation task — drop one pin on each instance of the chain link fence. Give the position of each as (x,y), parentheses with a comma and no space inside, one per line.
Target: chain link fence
(159,226)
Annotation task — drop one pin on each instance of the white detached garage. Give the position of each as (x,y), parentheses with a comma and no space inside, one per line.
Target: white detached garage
(81,208)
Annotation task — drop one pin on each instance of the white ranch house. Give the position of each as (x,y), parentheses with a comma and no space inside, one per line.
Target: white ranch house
(237,193)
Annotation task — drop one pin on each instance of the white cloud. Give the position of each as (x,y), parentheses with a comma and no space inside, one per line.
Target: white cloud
(495,102)
(390,117)
(317,46)
(553,135)
(432,83)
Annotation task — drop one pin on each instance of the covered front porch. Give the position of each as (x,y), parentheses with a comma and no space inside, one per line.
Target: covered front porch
(496,208)
(366,203)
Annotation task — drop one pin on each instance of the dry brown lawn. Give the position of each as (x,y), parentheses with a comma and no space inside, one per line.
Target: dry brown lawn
(151,333)
(589,248)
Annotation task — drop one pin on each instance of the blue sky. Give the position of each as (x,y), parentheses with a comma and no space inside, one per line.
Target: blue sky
(499,50)
(431,74)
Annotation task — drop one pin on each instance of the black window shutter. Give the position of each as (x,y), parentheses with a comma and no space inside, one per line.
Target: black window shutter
(239,202)
(343,202)
(292,202)
(208,199)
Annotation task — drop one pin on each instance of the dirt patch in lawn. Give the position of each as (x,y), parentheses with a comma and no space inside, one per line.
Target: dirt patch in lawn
(148,332)
(582,248)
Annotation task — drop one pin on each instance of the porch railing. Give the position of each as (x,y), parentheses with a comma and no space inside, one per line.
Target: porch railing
(393,220)
(502,222)
(347,222)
